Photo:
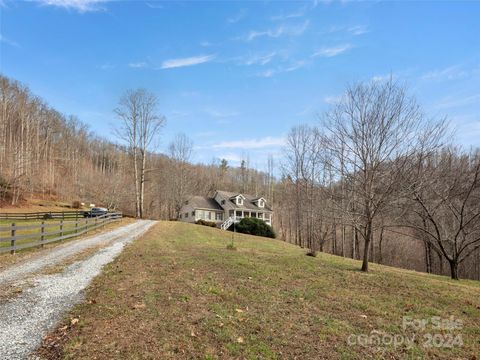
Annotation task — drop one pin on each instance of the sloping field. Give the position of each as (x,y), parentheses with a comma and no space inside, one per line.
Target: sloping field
(178,292)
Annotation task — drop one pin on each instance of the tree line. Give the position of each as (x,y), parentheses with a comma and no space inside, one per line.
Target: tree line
(376,179)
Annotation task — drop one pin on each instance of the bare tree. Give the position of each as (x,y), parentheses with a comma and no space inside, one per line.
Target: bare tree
(181,149)
(445,198)
(371,134)
(140,126)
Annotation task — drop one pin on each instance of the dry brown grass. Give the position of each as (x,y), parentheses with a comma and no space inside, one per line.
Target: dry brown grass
(178,293)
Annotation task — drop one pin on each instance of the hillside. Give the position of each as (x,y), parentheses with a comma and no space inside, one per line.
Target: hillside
(179,293)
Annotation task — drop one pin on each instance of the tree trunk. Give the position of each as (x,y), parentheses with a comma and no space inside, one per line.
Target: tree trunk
(366,248)
(453,269)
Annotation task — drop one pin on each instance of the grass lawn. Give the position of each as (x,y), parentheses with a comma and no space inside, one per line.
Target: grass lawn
(179,293)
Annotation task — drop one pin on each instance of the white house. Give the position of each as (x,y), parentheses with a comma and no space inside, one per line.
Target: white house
(225,208)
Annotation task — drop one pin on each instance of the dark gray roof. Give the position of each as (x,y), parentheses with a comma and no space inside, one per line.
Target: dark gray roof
(248,203)
(202,202)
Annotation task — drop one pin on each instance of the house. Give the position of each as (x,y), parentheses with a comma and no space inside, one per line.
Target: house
(225,208)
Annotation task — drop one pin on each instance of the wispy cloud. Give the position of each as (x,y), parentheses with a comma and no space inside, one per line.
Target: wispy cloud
(295,14)
(282,30)
(106,66)
(384,77)
(221,113)
(458,101)
(332,99)
(251,143)
(358,30)
(189,61)
(332,51)
(154,5)
(258,59)
(77,5)
(355,30)
(237,17)
(8,41)
(282,69)
(448,73)
(266,73)
(138,65)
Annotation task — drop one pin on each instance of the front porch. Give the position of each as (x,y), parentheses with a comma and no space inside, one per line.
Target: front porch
(238,215)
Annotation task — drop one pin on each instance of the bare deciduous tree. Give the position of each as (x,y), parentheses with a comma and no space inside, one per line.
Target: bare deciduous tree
(140,126)
(371,135)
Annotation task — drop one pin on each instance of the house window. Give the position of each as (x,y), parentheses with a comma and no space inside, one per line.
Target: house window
(230,213)
(239,201)
(186,215)
(218,216)
(223,202)
(200,214)
(239,214)
(261,203)
(180,216)
(193,213)
(209,215)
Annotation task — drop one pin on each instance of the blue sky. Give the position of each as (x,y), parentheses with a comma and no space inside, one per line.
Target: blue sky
(236,76)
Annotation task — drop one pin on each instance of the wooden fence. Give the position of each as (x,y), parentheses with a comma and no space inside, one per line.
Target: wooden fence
(42,215)
(26,236)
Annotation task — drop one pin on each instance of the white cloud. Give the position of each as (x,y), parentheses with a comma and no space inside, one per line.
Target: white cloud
(383,77)
(138,65)
(258,59)
(107,66)
(267,73)
(8,41)
(221,113)
(231,157)
(154,5)
(358,30)
(449,73)
(78,5)
(451,102)
(332,100)
(287,30)
(296,14)
(295,66)
(236,18)
(332,51)
(251,143)
(182,62)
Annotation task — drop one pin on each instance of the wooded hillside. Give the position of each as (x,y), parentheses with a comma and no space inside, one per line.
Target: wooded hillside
(376,180)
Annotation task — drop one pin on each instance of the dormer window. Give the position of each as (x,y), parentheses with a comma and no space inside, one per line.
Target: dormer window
(238,199)
(260,202)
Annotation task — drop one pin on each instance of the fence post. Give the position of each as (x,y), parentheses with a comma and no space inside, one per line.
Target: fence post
(12,241)
(86,226)
(42,234)
(76,226)
(61,228)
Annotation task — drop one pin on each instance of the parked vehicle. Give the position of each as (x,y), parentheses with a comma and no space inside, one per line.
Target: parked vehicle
(94,212)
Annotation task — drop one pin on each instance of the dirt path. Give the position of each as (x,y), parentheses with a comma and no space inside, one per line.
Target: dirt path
(27,317)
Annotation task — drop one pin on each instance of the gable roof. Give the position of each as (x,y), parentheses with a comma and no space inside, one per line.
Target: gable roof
(248,203)
(203,202)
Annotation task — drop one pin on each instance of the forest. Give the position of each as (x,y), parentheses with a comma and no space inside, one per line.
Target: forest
(377,179)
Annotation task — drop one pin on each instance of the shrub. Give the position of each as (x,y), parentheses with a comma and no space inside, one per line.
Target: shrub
(76,204)
(254,226)
(206,223)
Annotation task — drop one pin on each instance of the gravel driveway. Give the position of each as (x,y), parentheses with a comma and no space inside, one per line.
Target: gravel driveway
(26,318)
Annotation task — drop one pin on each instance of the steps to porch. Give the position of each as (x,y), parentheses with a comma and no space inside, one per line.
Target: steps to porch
(226,224)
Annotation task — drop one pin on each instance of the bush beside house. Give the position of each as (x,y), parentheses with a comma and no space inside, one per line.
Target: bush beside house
(254,226)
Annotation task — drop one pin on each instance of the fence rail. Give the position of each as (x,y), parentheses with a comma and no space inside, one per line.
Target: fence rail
(42,215)
(26,236)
